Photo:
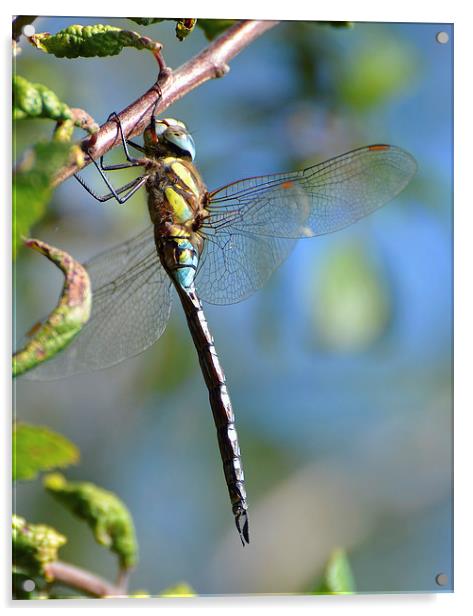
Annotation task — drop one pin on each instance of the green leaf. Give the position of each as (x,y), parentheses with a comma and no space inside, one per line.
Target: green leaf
(103,511)
(90,41)
(66,320)
(183,26)
(32,186)
(34,545)
(370,78)
(34,100)
(179,590)
(213,27)
(352,301)
(36,448)
(337,578)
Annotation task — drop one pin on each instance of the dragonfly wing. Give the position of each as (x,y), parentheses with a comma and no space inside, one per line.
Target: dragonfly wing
(253,221)
(131,303)
(236,264)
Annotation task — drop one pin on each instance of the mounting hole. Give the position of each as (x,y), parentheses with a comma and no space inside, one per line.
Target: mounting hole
(441,579)
(29,585)
(442,37)
(28,30)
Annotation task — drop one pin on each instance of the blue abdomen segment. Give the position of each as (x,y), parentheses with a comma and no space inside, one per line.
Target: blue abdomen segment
(187,260)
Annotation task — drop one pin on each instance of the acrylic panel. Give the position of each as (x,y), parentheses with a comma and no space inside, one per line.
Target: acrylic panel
(327,289)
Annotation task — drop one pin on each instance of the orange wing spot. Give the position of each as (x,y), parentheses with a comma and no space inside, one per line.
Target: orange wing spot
(288,184)
(379,148)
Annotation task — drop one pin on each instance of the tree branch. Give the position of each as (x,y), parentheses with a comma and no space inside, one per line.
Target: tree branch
(82,580)
(170,87)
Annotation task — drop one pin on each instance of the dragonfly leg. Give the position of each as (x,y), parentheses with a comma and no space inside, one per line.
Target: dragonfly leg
(137,146)
(114,193)
(131,161)
(132,186)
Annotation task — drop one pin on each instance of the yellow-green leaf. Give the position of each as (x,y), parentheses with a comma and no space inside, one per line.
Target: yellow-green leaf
(337,578)
(104,512)
(36,448)
(34,100)
(66,320)
(90,41)
(34,545)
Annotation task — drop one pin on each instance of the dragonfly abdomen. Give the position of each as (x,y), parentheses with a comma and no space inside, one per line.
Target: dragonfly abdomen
(221,406)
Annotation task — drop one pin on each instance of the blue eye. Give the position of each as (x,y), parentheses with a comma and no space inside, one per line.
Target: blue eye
(160,128)
(183,141)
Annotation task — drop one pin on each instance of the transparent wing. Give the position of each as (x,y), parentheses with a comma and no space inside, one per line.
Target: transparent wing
(131,303)
(253,223)
(234,264)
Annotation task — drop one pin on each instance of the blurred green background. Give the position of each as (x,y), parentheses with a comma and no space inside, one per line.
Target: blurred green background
(340,370)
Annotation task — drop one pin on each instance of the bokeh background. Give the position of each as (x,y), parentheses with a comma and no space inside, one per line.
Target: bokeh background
(340,370)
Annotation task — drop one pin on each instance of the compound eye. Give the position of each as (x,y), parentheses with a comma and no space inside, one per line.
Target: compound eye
(160,127)
(182,140)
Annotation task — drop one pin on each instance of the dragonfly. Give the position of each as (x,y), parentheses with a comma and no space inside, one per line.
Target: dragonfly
(218,247)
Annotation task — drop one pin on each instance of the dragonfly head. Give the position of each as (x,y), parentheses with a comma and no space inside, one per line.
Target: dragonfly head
(169,137)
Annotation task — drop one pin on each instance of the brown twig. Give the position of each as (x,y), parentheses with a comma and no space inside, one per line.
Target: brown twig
(84,120)
(82,580)
(170,87)
(122,580)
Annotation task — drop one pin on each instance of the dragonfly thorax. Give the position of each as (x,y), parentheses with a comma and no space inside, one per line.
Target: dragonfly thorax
(176,193)
(176,197)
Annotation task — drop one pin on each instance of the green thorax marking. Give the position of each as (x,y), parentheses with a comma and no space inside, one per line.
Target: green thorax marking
(182,191)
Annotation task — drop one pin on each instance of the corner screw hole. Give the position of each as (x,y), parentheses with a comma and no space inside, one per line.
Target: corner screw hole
(441,579)
(28,30)
(29,585)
